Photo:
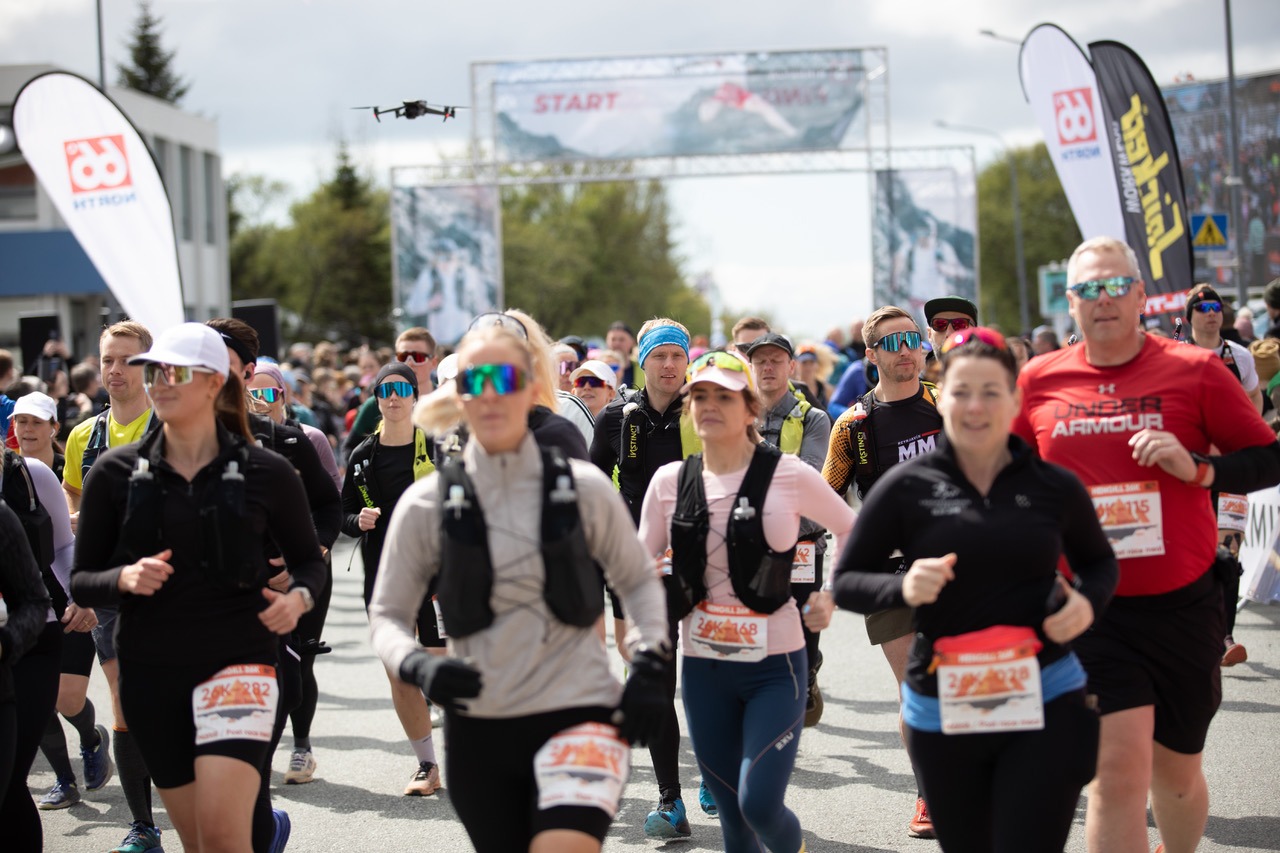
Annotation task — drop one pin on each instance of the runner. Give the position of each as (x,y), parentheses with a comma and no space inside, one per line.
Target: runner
(415,347)
(526,686)
(1131,414)
(982,523)
(175,531)
(728,519)
(596,385)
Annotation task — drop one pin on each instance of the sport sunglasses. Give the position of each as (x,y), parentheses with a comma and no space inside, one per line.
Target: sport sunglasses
(1116,286)
(588,382)
(1209,307)
(716,358)
(415,357)
(386,389)
(174,374)
(504,378)
(959,324)
(267,395)
(897,340)
(990,337)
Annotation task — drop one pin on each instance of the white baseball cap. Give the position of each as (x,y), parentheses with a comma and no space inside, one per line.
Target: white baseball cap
(188,345)
(447,368)
(598,369)
(41,405)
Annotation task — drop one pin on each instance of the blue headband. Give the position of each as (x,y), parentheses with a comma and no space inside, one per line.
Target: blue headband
(659,335)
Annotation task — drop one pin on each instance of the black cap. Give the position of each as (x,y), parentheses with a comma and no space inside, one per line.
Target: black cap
(578,344)
(958,304)
(771,339)
(1201,293)
(395,370)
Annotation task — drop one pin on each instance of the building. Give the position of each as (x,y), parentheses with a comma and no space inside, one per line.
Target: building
(47,281)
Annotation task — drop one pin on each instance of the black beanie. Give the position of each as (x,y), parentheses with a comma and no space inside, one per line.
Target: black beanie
(395,370)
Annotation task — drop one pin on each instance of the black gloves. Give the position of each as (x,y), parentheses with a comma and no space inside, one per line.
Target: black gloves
(645,702)
(444,680)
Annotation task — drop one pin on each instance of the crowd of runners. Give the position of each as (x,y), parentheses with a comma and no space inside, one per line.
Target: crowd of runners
(1044,540)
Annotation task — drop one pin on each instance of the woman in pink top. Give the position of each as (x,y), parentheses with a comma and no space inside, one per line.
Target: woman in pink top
(724,523)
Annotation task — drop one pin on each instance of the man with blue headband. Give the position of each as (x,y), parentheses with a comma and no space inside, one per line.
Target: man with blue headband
(636,435)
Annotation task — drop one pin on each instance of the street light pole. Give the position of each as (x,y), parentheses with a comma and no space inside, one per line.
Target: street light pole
(1024,302)
(1233,179)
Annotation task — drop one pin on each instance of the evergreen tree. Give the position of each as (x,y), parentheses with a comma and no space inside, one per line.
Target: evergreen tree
(151,70)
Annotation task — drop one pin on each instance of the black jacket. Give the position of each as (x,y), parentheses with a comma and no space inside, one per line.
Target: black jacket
(659,438)
(24,596)
(322,496)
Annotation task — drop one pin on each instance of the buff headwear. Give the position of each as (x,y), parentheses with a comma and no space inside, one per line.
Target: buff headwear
(659,335)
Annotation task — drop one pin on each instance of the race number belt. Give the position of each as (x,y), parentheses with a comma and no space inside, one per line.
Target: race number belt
(804,565)
(989,681)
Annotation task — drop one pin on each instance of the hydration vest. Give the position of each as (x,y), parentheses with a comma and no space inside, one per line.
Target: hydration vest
(99,440)
(20,494)
(867,464)
(571,585)
(1229,359)
(761,576)
(637,425)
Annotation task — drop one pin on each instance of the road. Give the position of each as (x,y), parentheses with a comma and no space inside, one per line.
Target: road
(852,786)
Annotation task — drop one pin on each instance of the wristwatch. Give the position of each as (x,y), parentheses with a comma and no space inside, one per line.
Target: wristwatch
(1202,467)
(308,600)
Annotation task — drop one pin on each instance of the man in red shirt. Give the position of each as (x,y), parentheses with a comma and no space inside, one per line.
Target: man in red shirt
(1133,415)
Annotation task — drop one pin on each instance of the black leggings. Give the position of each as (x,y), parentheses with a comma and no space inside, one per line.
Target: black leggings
(1009,793)
(664,750)
(35,683)
(288,675)
(801,592)
(310,625)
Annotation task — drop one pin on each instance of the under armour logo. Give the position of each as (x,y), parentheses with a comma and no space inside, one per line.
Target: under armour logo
(1107,388)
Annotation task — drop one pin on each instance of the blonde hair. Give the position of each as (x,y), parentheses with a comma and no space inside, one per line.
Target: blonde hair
(1103,246)
(660,321)
(440,411)
(128,329)
(826,358)
(878,316)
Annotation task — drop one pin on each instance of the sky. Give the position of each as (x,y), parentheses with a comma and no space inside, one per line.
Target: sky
(280,76)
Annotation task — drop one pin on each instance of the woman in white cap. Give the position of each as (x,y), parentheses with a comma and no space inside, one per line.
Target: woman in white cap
(35,426)
(595,384)
(174,531)
(727,519)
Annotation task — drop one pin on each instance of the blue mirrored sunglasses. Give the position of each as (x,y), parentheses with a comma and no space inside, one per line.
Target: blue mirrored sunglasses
(1209,307)
(400,389)
(267,395)
(897,340)
(1116,286)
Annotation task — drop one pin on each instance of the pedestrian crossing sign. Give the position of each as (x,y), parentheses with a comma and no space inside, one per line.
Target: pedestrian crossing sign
(1209,231)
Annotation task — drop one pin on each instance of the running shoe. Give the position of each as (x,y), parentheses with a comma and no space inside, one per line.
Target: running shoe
(281,835)
(668,820)
(814,705)
(1235,653)
(141,838)
(98,766)
(63,794)
(921,825)
(302,767)
(707,801)
(425,782)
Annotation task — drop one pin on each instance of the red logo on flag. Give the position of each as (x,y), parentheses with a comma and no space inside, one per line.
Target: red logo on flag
(99,163)
(1073,113)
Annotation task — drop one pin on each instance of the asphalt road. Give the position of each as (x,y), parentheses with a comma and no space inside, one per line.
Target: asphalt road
(852,786)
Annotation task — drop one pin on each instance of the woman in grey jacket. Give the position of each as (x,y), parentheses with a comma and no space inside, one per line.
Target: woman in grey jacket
(537,727)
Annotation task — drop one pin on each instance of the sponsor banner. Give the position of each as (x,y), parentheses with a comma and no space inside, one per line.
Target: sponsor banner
(733,103)
(102,180)
(1260,550)
(447,257)
(1060,86)
(924,237)
(1147,172)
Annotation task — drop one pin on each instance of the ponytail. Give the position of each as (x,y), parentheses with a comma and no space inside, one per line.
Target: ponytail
(231,409)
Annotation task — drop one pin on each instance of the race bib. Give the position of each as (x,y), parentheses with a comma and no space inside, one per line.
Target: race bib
(989,681)
(1233,511)
(727,632)
(435,602)
(1130,516)
(238,703)
(804,566)
(586,765)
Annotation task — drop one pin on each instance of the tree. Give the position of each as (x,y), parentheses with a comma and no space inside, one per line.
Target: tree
(1049,232)
(151,70)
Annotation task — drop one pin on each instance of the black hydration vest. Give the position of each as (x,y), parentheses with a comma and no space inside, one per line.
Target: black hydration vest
(571,587)
(223,558)
(761,576)
(37,524)
(99,438)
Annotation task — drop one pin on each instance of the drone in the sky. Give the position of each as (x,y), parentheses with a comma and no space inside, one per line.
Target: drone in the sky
(414,109)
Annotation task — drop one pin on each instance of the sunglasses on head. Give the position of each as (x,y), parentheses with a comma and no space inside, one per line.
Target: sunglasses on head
(386,389)
(716,358)
(174,374)
(898,340)
(1116,286)
(267,395)
(990,337)
(567,367)
(957,324)
(588,382)
(504,378)
(1209,307)
(496,318)
(415,357)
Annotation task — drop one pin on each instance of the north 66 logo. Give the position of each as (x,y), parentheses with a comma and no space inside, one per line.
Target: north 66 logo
(98,164)
(1073,113)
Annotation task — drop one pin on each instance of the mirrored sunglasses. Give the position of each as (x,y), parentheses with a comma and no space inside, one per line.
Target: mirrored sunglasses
(399,389)
(1209,307)
(504,378)
(1116,286)
(567,367)
(173,374)
(267,395)
(959,324)
(897,340)
(415,357)
(716,358)
(588,382)
(990,337)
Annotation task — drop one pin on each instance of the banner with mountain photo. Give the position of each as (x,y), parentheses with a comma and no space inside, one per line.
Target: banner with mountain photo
(103,181)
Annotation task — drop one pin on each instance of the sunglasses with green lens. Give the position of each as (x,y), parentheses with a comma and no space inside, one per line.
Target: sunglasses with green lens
(1116,286)
(897,340)
(504,378)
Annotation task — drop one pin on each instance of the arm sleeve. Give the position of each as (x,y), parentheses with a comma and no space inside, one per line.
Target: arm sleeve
(367,417)
(817,438)
(861,583)
(410,561)
(320,494)
(603,454)
(290,526)
(325,453)
(1250,457)
(1087,550)
(837,470)
(93,580)
(21,588)
(49,490)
